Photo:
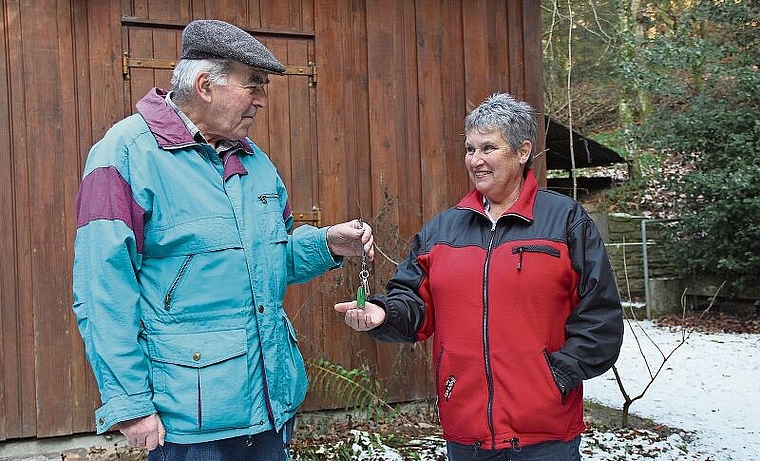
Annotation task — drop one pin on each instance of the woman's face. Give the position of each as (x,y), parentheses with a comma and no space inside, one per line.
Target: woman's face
(494,168)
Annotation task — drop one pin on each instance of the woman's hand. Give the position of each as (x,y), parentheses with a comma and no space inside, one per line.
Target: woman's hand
(372,316)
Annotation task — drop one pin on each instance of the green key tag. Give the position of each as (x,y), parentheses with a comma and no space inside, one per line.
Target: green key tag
(361,297)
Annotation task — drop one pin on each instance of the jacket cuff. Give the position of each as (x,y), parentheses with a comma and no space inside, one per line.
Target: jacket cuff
(122,408)
(334,261)
(387,331)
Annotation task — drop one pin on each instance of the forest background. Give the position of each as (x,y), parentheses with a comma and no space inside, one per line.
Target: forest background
(674,87)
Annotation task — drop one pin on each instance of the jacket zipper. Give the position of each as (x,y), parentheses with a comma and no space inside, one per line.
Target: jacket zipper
(486,348)
(438,367)
(438,383)
(263,198)
(170,293)
(545,249)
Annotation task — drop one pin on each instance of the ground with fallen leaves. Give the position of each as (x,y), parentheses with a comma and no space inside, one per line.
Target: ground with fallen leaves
(713,322)
(414,434)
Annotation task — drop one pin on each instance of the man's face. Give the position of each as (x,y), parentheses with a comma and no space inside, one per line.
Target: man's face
(233,106)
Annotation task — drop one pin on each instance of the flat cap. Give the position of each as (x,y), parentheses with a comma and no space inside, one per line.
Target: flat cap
(213,39)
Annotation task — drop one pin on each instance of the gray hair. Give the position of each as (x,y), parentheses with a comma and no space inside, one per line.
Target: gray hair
(187,71)
(515,120)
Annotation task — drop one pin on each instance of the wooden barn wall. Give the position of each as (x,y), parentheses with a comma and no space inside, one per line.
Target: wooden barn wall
(377,136)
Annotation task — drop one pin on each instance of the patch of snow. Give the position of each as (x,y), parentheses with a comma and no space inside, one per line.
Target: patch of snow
(709,387)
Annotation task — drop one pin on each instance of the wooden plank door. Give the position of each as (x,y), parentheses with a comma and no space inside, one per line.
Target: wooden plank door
(285,130)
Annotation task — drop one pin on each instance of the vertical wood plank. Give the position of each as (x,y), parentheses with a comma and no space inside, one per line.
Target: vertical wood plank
(6,259)
(197,10)
(74,74)
(279,119)
(101,103)
(141,80)
(476,58)
(306,16)
(17,303)
(454,69)
(403,367)
(47,219)
(11,390)
(105,50)
(534,79)
(394,153)
(254,14)
(433,108)
(284,15)
(232,11)
(514,43)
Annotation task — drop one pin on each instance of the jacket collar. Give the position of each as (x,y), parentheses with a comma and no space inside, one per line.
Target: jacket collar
(523,207)
(167,126)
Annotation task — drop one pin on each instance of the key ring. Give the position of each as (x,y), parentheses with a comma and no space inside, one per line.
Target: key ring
(363,291)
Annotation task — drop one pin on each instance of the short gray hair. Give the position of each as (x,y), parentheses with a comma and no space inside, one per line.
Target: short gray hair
(187,71)
(515,120)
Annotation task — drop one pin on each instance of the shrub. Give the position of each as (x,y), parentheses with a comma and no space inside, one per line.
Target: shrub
(704,82)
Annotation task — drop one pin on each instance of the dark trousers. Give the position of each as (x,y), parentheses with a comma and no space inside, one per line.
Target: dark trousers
(546,451)
(266,446)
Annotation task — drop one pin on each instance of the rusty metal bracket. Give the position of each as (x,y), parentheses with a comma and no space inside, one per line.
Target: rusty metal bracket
(146,63)
(309,70)
(313,217)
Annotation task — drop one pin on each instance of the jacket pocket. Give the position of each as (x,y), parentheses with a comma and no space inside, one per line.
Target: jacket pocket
(297,379)
(198,287)
(553,373)
(176,282)
(536,403)
(200,380)
(462,393)
(541,249)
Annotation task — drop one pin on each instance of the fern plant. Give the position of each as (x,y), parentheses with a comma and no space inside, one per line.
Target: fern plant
(356,388)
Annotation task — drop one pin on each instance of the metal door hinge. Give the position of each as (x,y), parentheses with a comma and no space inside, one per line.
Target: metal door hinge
(147,63)
(313,217)
(309,70)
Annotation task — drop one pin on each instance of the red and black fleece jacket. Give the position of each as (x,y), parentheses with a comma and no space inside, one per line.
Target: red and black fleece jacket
(521,310)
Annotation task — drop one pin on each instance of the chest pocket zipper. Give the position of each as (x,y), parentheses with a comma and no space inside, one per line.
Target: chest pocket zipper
(543,249)
(170,293)
(264,198)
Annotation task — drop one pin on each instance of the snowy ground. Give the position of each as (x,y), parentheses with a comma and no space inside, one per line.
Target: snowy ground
(710,387)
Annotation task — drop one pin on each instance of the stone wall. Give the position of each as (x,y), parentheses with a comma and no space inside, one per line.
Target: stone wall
(623,239)
(622,236)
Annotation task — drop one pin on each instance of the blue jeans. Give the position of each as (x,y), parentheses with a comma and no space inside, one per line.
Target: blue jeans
(266,446)
(546,451)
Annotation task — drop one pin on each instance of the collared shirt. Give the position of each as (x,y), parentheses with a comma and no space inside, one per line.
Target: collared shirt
(191,127)
(223,147)
(487,209)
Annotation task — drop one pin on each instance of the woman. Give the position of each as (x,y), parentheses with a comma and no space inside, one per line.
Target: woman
(517,287)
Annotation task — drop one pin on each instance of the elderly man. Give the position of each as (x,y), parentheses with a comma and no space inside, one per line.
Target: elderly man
(184,247)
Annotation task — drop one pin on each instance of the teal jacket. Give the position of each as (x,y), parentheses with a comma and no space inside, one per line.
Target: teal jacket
(181,261)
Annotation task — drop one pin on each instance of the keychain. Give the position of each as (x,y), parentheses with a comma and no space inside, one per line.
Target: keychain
(363,291)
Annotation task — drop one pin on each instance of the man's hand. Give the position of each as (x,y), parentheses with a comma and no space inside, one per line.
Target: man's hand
(147,432)
(348,238)
(372,316)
